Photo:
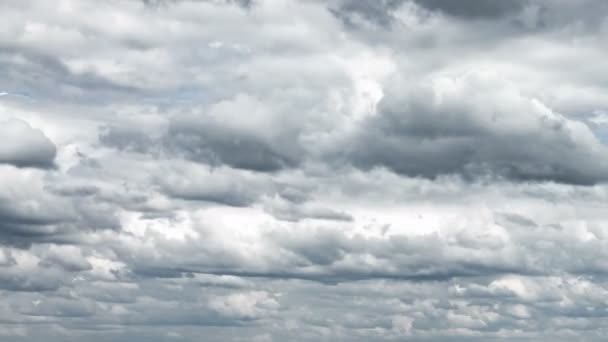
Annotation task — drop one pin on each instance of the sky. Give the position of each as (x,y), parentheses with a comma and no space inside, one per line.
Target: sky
(303,170)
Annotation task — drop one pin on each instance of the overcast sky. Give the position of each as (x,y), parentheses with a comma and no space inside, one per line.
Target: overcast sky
(303,170)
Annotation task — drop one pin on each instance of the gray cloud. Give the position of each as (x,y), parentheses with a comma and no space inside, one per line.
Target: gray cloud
(224,186)
(25,146)
(243,3)
(303,170)
(216,145)
(21,221)
(383,13)
(477,128)
(377,12)
(45,76)
(474,8)
(69,258)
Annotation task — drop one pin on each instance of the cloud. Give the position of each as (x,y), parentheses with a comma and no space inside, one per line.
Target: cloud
(25,146)
(26,211)
(243,3)
(284,209)
(44,75)
(69,258)
(31,212)
(474,126)
(474,9)
(237,133)
(283,170)
(216,185)
(59,308)
(377,12)
(216,145)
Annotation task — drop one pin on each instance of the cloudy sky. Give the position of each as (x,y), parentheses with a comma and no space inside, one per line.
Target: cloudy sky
(303,170)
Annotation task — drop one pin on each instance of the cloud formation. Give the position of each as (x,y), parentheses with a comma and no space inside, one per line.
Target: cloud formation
(281,170)
(477,125)
(25,146)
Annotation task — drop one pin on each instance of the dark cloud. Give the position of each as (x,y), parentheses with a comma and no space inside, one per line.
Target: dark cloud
(19,223)
(30,213)
(473,9)
(478,128)
(216,144)
(382,13)
(208,141)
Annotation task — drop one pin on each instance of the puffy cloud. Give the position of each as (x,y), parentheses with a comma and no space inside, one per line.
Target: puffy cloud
(477,125)
(24,146)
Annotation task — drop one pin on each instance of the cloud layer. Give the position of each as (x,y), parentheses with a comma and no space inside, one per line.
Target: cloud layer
(277,170)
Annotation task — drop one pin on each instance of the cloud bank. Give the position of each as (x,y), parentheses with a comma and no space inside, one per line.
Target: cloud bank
(277,170)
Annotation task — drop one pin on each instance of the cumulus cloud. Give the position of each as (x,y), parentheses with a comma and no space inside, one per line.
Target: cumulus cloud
(477,125)
(25,146)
